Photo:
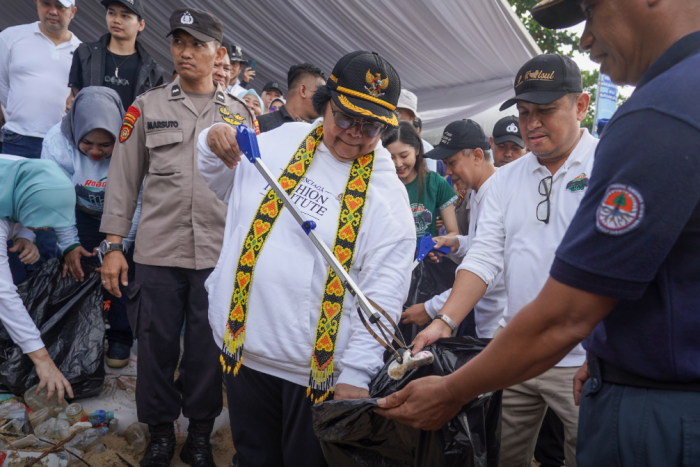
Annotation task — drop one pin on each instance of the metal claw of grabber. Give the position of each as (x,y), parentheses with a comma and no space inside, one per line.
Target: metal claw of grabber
(367,309)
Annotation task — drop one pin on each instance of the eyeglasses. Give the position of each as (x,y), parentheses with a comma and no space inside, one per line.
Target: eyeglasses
(545,188)
(274,109)
(367,128)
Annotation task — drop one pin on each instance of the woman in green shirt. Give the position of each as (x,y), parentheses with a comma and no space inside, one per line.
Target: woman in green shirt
(429,194)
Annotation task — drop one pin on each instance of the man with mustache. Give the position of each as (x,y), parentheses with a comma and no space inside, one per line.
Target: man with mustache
(529,205)
(178,241)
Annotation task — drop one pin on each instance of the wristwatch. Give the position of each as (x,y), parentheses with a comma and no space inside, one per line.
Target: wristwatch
(447,320)
(106,247)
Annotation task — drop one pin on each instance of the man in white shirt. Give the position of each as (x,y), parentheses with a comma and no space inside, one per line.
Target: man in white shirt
(35,61)
(527,210)
(284,335)
(464,148)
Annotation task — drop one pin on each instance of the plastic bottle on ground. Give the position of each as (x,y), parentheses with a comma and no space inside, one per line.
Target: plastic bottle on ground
(8,407)
(38,417)
(136,437)
(38,401)
(53,428)
(87,438)
(114,425)
(100,417)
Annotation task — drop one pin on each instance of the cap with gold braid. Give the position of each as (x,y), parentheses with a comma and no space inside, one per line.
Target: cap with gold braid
(365,85)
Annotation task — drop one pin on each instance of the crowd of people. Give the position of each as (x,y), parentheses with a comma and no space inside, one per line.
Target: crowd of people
(555,236)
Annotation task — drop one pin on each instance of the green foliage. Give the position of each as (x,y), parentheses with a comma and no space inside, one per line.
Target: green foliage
(560,42)
(550,41)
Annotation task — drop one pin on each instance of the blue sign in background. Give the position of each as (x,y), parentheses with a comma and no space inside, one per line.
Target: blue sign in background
(606,102)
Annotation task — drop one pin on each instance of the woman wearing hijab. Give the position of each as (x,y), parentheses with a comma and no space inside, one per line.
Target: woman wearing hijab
(37,195)
(82,144)
(253,101)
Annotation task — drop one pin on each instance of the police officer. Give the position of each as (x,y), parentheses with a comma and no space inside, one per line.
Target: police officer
(626,275)
(178,241)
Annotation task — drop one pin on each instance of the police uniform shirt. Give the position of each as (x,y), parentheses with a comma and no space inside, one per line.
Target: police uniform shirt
(182,221)
(636,235)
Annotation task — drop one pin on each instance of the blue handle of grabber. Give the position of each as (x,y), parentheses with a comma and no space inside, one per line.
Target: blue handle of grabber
(247,142)
(426,245)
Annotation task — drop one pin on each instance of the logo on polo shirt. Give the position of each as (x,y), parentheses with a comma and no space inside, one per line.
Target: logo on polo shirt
(578,184)
(620,211)
(187,18)
(512,128)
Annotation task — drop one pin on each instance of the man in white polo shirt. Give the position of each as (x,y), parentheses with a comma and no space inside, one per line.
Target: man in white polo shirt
(529,206)
(35,61)
(464,148)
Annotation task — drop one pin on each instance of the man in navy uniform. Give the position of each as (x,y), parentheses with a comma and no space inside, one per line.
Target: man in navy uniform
(626,277)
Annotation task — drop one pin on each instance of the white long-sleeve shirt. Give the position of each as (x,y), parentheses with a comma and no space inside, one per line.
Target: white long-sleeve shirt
(290,274)
(488,311)
(90,180)
(511,239)
(13,315)
(33,79)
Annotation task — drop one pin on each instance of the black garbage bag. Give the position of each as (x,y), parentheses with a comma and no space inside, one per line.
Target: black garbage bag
(69,315)
(427,280)
(352,435)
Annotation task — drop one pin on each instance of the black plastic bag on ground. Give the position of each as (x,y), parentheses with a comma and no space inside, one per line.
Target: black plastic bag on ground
(69,315)
(352,435)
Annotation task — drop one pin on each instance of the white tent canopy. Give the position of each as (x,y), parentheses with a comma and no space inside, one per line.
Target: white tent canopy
(458,57)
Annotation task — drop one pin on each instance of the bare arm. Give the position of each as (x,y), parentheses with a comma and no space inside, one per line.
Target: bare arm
(540,335)
(467,290)
(450,219)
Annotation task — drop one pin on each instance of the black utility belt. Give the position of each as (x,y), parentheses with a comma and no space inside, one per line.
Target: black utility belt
(616,375)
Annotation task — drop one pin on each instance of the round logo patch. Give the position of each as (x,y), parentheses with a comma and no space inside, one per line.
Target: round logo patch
(620,211)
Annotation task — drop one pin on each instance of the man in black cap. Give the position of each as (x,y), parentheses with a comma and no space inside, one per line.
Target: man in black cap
(117,60)
(464,148)
(527,211)
(302,81)
(271,90)
(178,241)
(237,85)
(288,334)
(506,143)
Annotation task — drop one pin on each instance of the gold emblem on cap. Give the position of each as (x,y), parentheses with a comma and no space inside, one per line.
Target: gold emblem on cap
(187,18)
(376,84)
(538,75)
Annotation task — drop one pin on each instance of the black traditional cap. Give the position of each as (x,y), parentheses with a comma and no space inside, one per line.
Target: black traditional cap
(558,14)
(545,79)
(134,5)
(507,129)
(365,85)
(273,85)
(235,52)
(202,25)
(462,134)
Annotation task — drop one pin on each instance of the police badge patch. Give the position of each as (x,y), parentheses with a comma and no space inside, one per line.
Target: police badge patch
(620,211)
(132,114)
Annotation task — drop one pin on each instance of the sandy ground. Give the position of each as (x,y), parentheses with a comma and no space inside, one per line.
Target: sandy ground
(222,448)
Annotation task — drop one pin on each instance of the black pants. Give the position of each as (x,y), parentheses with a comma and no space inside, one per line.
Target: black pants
(271,422)
(161,299)
(549,450)
(90,238)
